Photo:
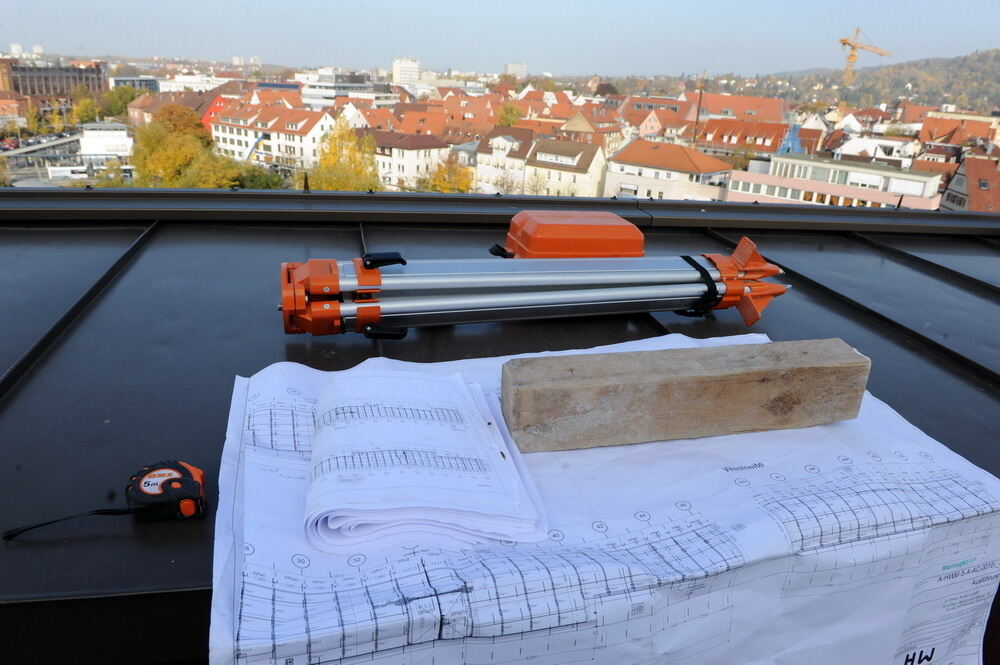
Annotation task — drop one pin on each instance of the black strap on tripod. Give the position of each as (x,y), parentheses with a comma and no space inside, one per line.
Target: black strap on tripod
(709,299)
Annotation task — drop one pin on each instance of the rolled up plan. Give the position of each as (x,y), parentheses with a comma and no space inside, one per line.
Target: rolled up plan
(407,457)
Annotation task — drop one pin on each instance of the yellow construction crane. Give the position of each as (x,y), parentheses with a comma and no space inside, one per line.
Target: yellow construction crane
(852,56)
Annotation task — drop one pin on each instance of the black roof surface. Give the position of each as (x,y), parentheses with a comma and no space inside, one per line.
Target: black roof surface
(126,315)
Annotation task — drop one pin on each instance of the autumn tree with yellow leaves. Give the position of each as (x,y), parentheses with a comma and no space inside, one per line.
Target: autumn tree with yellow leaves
(450,177)
(346,161)
(175,151)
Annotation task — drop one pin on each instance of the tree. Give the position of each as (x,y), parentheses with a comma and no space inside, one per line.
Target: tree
(4,173)
(740,158)
(505,182)
(450,177)
(162,158)
(346,161)
(508,115)
(111,176)
(34,121)
(178,119)
(56,122)
(210,171)
(535,184)
(115,101)
(256,177)
(84,110)
(125,70)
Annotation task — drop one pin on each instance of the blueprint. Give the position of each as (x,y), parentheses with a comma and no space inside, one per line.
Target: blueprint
(863,541)
(403,456)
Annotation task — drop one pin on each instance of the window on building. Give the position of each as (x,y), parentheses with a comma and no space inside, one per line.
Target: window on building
(807,196)
(783,192)
(847,201)
(820,198)
(770,190)
(835,200)
(756,188)
(983,184)
(795,194)
(746,186)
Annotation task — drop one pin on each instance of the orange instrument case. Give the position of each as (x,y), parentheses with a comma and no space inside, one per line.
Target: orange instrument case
(544,234)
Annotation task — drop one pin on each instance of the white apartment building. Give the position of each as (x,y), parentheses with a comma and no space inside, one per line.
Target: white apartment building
(518,70)
(500,160)
(811,180)
(403,159)
(564,168)
(405,71)
(657,170)
(271,135)
(193,82)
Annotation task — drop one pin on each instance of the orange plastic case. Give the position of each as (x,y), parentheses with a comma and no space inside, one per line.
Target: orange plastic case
(545,234)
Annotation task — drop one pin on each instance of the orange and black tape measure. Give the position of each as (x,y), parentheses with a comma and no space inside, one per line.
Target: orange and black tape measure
(168,490)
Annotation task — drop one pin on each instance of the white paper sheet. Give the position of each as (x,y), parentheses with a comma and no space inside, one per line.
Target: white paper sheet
(404,456)
(858,542)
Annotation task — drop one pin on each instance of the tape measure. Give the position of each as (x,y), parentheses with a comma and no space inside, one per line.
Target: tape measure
(168,490)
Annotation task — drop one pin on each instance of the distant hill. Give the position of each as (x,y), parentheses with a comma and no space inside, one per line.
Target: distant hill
(970,81)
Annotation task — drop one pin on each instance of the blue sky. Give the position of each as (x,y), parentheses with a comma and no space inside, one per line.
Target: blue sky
(560,36)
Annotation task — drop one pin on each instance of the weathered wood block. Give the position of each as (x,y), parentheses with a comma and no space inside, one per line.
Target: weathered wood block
(609,399)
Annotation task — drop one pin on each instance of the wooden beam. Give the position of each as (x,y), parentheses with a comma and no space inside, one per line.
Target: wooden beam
(607,399)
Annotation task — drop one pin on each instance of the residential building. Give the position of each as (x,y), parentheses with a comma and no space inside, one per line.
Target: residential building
(518,70)
(195,82)
(405,71)
(975,187)
(46,83)
(957,131)
(723,137)
(272,135)
(880,147)
(653,169)
(403,159)
(564,168)
(102,141)
(594,125)
(142,109)
(739,107)
(817,181)
(500,160)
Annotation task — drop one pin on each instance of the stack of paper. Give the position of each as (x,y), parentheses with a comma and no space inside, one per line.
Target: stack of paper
(403,457)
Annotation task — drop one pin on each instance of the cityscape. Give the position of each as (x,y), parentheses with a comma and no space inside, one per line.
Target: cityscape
(849,137)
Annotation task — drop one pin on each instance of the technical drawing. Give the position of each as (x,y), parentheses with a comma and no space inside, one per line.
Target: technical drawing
(662,576)
(348,414)
(857,503)
(285,428)
(398,458)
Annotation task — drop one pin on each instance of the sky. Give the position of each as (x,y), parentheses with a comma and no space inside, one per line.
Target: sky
(568,37)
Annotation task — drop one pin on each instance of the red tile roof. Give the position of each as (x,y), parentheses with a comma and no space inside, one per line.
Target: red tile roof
(423,122)
(982,183)
(670,157)
(741,107)
(910,113)
(953,131)
(810,139)
(379,118)
(729,134)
